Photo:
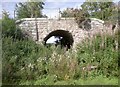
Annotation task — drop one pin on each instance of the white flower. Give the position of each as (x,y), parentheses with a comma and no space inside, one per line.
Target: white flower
(30,65)
(22,68)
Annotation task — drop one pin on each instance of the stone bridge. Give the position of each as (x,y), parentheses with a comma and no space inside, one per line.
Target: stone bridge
(41,29)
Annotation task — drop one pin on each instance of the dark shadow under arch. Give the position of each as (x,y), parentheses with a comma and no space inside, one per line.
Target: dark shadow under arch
(67,38)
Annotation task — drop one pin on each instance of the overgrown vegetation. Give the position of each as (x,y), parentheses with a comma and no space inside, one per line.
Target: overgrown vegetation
(9,28)
(102,52)
(27,63)
(105,11)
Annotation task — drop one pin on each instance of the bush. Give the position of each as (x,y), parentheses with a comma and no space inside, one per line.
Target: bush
(16,55)
(25,62)
(100,52)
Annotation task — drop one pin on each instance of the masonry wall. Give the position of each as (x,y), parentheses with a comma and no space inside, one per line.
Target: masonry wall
(45,26)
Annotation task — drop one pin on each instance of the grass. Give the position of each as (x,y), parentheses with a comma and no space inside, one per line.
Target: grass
(99,80)
(50,80)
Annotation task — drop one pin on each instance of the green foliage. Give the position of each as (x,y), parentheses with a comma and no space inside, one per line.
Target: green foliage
(69,12)
(100,10)
(27,63)
(98,80)
(30,9)
(102,52)
(9,28)
(25,60)
(63,65)
(50,80)
(16,56)
(79,15)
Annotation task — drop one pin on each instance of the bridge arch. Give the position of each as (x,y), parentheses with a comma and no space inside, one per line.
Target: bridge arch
(66,40)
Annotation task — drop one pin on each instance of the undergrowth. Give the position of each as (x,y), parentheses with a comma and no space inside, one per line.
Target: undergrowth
(28,63)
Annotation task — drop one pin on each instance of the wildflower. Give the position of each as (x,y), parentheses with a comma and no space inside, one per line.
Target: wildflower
(22,68)
(30,65)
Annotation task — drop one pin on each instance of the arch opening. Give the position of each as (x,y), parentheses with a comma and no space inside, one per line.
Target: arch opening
(59,37)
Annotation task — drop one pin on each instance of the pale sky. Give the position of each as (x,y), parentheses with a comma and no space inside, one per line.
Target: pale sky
(53,39)
(51,7)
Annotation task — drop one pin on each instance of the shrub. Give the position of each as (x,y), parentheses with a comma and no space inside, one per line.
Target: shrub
(100,52)
(63,65)
(16,55)
(9,29)
(25,61)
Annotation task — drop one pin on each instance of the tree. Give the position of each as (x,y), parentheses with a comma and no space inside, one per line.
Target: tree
(5,14)
(9,28)
(79,14)
(30,9)
(69,12)
(115,14)
(101,10)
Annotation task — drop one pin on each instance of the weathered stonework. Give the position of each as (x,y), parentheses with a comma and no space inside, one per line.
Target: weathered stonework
(45,26)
